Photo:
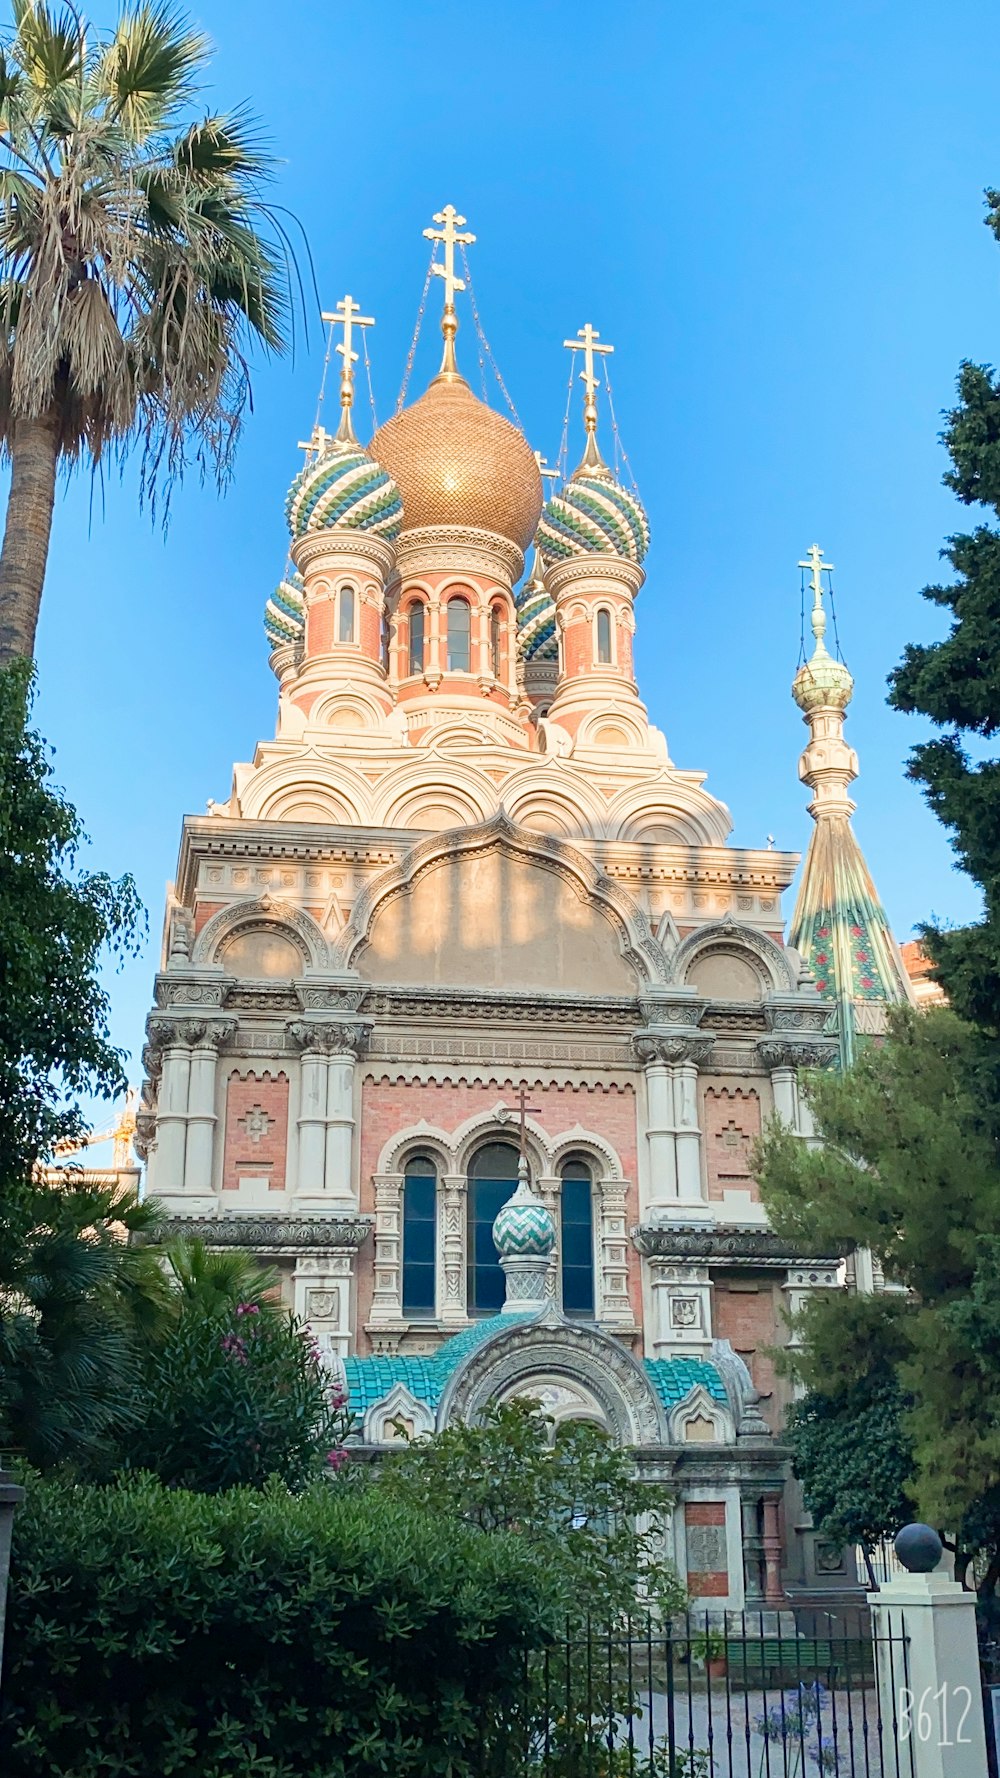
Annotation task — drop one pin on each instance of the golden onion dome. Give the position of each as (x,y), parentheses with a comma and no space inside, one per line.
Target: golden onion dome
(456,462)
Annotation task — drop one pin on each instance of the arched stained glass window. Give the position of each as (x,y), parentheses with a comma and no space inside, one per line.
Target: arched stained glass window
(492,1180)
(459,636)
(416,629)
(419,1236)
(577,1243)
(604,637)
(345,632)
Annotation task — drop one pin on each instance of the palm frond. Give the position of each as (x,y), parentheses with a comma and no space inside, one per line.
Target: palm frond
(149,68)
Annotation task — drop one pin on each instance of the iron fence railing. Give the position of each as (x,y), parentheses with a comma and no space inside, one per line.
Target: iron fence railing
(726,1695)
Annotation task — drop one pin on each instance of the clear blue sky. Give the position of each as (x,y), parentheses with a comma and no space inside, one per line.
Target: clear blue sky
(774,211)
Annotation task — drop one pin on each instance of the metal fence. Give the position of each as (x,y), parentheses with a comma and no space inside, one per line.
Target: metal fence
(726,1695)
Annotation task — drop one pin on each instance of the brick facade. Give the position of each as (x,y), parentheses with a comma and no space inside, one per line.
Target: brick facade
(707,1549)
(731,1122)
(256,1129)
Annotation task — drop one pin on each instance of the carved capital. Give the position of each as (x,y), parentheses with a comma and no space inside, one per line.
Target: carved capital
(167,1034)
(213,1033)
(673,1047)
(775,1053)
(330,1037)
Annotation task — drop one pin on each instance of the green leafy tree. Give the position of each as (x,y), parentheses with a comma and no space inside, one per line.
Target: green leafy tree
(907,1167)
(69,1284)
(566,1490)
(141,265)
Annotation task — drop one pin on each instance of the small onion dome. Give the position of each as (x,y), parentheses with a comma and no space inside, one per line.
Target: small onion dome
(524,1228)
(536,618)
(344,488)
(822,680)
(285,611)
(593,515)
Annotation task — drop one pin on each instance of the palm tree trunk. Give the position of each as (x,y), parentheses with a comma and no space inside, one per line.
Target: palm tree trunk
(34,454)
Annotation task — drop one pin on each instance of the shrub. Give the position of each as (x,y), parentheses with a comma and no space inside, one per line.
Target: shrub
(233,1394)
(256,1635)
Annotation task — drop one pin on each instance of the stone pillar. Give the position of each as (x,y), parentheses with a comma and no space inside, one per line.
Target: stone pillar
(682,1312)
(661,1132)
(199,1158)
(325,1173)
(753,1551)
(672,1060)
(451,1264)
(434,666)
(690,1189)
(322,1289)
(387,1296)
(612,1304)
(930,1701)
(774,1592)
(171,1109)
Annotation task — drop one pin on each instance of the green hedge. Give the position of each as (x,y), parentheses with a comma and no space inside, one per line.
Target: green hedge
(244,1635)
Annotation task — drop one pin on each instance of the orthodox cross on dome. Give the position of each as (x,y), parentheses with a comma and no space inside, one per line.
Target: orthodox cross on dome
(545,473)
(587,342)
(347,315)
(522,1111)
(817,568)
(317,444)
(450,237)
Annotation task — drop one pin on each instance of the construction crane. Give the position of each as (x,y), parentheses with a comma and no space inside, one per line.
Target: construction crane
(121,1133)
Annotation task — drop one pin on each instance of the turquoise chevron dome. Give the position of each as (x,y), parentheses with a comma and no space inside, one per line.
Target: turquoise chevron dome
(593,515)
(344,489)
(524,1227)
(536,620)
(285,611)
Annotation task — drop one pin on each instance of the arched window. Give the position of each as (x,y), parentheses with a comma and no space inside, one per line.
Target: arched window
(495,659)
(345,632)
(604,637)
(419,1236)
(577,1245)
(416,623)
(459,636)
(492,1179)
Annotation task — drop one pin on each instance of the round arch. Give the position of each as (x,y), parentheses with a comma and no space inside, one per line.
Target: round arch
(586,1359)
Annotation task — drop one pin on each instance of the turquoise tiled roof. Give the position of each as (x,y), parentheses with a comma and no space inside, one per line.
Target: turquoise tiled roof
(370,1379)
(674,1378)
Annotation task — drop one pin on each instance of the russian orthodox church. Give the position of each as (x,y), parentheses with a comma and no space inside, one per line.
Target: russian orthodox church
(468,1014)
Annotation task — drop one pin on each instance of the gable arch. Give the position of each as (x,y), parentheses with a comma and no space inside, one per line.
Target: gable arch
(578,1141)
(582,1355)
(771,964)
(418,1138)
(445,897)
(264,915)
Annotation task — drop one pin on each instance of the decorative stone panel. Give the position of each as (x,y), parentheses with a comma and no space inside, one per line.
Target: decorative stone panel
(256,1130)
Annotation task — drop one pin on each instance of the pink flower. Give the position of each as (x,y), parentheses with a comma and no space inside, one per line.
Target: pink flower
(336,1459)
(234,1347)
(248,1308)
(338,1396)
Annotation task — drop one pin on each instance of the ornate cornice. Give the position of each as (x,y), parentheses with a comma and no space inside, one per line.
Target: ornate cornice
(728,1247)
(674,1046)
(775,1053)
(461,549)
(309,552)
(594,568)
(186,1033)
(519,1006)
(274,1234)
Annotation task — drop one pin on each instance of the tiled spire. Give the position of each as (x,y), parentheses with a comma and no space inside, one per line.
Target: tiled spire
(839,925)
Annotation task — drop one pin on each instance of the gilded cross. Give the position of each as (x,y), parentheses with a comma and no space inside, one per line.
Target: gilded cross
(347,315)
(315,445)
(586,341)
(544,471)
(817,568)
(448,234)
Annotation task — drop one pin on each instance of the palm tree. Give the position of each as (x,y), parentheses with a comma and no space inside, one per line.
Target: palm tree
(140,266)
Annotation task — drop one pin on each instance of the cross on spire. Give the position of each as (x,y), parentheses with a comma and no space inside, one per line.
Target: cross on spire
(450,237)
(317,444)
(347,315)
(544,471)
(522,1111)
(589,337)
(817,568)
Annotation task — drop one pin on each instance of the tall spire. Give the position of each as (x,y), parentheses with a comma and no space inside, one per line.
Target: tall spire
(450,237)
(587,341)
(347,315)
(839,925)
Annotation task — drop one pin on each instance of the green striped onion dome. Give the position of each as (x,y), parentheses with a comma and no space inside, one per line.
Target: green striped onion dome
(593,515)
(524,1227)
(344,488)
(285,611)
(536,620)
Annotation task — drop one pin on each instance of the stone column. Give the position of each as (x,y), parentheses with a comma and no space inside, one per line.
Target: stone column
(661,1134)
(612,1304)
(929,1688)
(694,1051)
(199,1158)
(433,644)
(774,1592)
(753,1550)
(172,1104)
(387,1296)
(778,1060)
(325,1172)
(452,1287)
